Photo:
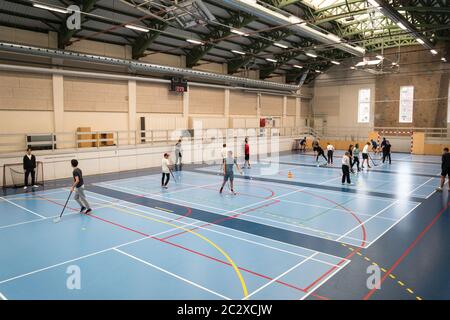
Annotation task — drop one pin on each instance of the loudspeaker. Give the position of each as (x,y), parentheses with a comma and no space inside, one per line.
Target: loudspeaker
(143,129)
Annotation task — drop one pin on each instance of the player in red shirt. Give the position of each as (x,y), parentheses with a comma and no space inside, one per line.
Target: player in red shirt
(247,154)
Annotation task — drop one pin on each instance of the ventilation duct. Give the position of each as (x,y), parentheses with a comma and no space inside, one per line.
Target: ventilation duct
(146,67)
(293,23)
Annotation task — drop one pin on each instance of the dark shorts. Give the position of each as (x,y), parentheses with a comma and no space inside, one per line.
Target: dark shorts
(228,175)
(365,156)
(247,157)
(445,172)
(314,149)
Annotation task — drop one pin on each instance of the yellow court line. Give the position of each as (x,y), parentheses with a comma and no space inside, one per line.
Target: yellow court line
(236,269)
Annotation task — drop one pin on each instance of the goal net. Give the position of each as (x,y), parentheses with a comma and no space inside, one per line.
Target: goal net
(14,175)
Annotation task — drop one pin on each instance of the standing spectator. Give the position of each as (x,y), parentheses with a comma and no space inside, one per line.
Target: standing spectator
(350,152)
(29,166)
(445,169)
(165,169)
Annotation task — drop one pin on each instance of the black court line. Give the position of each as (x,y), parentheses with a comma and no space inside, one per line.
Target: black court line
(371,170)
(270,232)
(321,186)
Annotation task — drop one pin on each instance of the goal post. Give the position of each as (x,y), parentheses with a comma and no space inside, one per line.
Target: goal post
(14,175)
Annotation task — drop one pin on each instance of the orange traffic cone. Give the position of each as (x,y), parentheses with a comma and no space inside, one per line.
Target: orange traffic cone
(290,175)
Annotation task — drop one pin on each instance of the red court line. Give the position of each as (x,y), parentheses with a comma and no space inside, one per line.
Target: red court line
(408,250)
(184,248)
(224,219)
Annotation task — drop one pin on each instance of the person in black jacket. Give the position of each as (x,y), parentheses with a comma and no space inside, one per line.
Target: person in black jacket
(445,169)
(29,166)
(387,151)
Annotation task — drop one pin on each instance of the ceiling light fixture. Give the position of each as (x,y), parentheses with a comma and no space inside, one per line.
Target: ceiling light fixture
(49,8)
(238,52)
(137,28)
(280,45)
(194,41)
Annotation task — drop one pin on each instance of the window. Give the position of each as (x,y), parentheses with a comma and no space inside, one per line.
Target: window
(364,106)
(406,104)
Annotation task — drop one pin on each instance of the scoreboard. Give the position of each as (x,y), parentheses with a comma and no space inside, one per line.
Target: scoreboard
(178,85)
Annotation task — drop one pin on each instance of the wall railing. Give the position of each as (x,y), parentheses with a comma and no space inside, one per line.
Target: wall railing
(57,141)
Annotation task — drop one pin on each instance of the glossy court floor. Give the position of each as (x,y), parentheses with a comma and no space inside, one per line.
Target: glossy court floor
(304,237)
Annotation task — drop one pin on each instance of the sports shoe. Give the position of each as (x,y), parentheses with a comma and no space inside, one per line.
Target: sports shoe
(232,191)
(221,190)
(88,211)
(25,188)
(82,209)
(439,189)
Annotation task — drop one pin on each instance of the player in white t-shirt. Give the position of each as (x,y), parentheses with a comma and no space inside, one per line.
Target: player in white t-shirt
(165,168)
(330,152)
(365,155)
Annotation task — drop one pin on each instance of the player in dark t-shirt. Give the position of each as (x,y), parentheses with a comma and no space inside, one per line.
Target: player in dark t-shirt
(445,169)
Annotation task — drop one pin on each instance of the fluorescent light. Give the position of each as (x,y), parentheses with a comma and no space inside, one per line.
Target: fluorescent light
(374,3)
(368,63)
(238,52)
(394,63)
(333,37)
(137,28)
(420,41)
(353,68)
(443,59)
(297,66)
(311,55)
(294,19)
(271,60)
(194,41)
(43,6)
(239,32)
(280,45)
(402,26)
(433,51)
(335,62)
(318,71)
(380,57)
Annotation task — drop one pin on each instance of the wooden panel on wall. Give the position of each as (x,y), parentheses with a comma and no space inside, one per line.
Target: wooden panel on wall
(243,103)
(291,105)
(95,95)
(206,100)
(156,98)
(328,105)
(271,105)
(23,91)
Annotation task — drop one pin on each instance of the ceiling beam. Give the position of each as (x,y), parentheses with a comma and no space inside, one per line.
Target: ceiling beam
(217,32)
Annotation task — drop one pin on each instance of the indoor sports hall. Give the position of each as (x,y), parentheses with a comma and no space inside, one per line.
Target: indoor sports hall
(224,150)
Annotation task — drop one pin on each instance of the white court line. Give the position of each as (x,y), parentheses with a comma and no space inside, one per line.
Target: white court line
(171,274)
(279,276)
(398,221)
(229,235)
(88,255)
(317,286)
(422,186)
(19,206)
(2,296)
(238,209)
(364,222)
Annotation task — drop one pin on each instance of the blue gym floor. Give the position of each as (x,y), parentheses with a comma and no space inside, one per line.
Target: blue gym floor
(303,237)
